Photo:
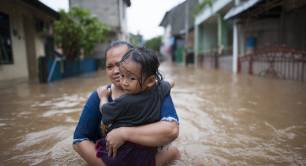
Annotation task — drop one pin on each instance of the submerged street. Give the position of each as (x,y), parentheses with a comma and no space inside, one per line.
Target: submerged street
(225,119)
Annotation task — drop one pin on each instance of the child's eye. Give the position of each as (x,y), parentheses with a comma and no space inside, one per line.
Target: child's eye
(132,78)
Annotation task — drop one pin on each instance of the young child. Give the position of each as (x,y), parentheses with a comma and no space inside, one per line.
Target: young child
(144,92)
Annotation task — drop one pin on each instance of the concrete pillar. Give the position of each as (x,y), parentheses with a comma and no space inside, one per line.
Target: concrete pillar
(196,44)
(235,46)
(235,43)
(186,32)
(219,31)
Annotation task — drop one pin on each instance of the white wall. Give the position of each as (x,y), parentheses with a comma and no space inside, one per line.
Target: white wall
(16,11)
(19,68)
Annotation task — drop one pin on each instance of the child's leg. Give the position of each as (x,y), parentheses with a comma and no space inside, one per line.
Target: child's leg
(167,156)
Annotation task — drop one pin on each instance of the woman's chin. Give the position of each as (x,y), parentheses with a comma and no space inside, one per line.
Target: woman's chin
(117,83)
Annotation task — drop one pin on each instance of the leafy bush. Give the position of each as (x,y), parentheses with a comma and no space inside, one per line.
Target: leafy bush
(154,43)
(77,31)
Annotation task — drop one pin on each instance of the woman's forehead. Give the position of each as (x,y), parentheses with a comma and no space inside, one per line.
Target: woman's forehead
(117,51)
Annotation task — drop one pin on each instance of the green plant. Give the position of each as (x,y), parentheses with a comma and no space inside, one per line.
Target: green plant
(154,43)
(136,40)
(77,31)
(201,6)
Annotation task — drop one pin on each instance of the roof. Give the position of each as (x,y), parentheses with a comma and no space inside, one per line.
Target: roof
(177,15)
(239,9)
(41,6)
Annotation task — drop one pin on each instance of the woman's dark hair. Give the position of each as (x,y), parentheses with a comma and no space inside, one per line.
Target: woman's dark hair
(148,61)
(117,43)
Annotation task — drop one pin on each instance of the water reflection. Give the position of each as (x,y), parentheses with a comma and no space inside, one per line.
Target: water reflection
(224,119)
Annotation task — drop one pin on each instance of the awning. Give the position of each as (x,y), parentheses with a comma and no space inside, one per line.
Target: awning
(240,8)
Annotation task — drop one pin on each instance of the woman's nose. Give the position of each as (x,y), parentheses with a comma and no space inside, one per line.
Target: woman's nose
(116,70)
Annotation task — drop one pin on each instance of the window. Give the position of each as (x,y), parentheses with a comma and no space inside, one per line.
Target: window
(6,56)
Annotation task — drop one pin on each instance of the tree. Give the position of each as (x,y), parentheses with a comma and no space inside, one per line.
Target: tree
(77,31)
(199,7)
(154,43)
(136,40)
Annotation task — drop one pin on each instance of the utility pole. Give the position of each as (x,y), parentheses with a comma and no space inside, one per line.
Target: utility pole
(186,31)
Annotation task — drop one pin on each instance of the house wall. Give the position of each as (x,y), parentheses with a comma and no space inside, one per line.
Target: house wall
(110,12)
(289,30)
(215,34)
(106,11)
(265,35)
(226,34)
(23,65)
(210,37)
(293,32)
(19,68)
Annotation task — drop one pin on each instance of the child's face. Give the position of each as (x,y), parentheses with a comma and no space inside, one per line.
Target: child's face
(130,77)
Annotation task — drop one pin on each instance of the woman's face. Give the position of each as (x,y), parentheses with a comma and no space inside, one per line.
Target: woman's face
(113,57)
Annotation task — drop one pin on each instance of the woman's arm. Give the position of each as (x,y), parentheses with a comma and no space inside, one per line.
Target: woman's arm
(86,149)
(155,134)
(87,131)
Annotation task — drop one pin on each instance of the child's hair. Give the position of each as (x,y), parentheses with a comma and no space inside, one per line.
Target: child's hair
(148,61)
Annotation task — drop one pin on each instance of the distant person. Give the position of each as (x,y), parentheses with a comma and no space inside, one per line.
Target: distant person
(87,131)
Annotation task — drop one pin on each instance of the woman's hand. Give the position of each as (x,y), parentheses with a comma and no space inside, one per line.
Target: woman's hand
(115,139)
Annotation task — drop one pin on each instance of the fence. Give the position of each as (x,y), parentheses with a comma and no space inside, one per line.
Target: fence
(216,59)
(277,62)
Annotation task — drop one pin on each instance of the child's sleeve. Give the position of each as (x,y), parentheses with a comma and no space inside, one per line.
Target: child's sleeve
(111,110)
(164,88)
(168,111)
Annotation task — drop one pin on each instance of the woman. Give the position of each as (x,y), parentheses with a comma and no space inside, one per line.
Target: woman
(155,134)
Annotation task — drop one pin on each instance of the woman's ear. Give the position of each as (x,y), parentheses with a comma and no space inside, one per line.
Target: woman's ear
(150,81)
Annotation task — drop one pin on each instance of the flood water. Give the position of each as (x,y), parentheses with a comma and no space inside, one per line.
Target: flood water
(225,119)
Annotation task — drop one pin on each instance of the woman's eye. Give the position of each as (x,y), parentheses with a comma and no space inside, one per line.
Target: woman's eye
(132,78)
(109,67)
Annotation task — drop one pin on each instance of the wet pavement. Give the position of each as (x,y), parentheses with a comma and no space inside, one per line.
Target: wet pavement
(225,119)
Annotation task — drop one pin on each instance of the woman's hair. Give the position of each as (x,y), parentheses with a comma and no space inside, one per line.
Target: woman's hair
(148,61)
(117,43)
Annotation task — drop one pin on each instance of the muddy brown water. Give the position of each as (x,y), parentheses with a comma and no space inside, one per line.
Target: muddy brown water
(225,119)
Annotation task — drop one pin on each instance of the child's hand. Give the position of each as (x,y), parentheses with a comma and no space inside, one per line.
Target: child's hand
(103,92)
(172,83)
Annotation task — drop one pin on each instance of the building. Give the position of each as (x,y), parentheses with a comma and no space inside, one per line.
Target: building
(270,37)
(110,12)
(213,35)
(25,26)
(176,22)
